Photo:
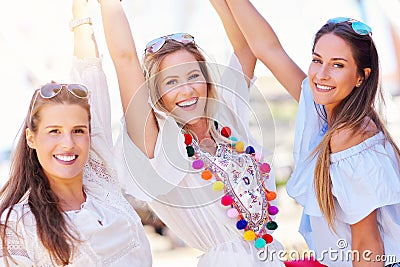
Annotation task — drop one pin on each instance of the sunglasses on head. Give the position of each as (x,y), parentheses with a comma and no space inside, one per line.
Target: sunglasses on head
(357,26)
(50,90)
(156,44)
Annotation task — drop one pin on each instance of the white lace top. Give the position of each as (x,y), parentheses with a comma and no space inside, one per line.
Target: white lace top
(364,177)
(110,230)
(186,203)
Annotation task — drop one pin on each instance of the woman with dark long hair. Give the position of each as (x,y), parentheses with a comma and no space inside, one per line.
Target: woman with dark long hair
(347,165)
(62,205)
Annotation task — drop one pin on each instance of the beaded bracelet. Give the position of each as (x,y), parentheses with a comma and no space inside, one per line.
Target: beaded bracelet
(78,22)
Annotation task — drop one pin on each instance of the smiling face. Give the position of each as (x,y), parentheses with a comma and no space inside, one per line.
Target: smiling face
(62,141)
(332,72)
(182,86)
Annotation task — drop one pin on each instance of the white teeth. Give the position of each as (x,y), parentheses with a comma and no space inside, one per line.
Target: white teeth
(188,103)
(65,158)
(324,87)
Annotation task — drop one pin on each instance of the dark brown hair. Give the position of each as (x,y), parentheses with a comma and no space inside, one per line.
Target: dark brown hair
(350,114)
(27,176)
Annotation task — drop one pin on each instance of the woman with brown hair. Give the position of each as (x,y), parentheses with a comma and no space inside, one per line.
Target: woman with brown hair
(62,205)
(347,165)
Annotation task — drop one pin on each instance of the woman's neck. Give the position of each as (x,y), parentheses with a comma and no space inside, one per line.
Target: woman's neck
(204,138)
(70,194)
(200,128)
(329,112)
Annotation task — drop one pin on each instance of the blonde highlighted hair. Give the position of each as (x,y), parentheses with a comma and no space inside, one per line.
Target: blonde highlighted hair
(152,67)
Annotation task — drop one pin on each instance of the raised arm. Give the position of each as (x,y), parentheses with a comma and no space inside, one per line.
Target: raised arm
(266,46)
(240,46)
(87,70)
(84,41)
(140,120)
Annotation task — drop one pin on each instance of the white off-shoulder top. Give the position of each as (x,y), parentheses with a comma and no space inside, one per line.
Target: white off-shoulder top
(364,177)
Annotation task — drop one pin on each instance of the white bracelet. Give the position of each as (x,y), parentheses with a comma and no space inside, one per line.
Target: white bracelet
(78,22)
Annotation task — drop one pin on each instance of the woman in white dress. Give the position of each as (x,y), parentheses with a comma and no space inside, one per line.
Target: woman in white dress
(347,165)
(62,205)
(187,142)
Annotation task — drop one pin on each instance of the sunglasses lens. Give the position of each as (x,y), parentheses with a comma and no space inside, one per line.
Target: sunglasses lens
(183,38)
(50,90)
(78,90)
(338,20)
(361,28)
(358,26)
(155,45)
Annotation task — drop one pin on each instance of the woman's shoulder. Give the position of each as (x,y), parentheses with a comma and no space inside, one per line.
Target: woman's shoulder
(345,138)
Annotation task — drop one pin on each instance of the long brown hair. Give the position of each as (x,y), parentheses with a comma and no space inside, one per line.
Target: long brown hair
(152,66)
(351,112)
(27,177)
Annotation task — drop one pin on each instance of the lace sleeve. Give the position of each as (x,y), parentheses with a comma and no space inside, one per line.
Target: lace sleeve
(100,167)
(15,247)
(89,72)
(100,174)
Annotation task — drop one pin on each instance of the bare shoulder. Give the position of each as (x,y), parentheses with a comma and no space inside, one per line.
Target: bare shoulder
(345,138)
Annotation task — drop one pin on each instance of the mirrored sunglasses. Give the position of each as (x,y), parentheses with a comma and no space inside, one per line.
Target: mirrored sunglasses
(358,26)
(50,90)
(156,44)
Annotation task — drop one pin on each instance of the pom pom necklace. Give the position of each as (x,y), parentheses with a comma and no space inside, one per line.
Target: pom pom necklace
(237,170)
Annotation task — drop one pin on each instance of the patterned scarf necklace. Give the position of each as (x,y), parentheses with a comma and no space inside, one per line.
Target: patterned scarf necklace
(239,173)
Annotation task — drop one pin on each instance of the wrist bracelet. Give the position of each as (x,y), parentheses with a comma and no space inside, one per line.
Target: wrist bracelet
(78,22)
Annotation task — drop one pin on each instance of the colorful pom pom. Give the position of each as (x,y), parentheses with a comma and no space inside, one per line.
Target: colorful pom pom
(188,139)
(226,131)
(258,156)
(265,168)
(270,195)
(268,238)
(226,200)
(233,141)
(249,235)
(197,164)
(218,186)
(250,150)
(260,243)
(241,224)
(271,225)
(273,210)
(239,146)
(190,151)
(206,175)
(232,213)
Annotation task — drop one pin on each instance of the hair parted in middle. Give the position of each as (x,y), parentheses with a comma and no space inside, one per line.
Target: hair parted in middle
(152,67)
(27,177)
(351,112)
